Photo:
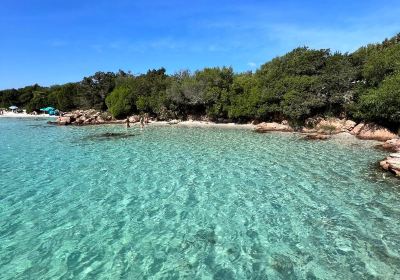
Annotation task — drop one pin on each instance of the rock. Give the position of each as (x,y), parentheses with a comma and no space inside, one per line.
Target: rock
(384,165)
(316,136)
(266,127)
(312,122)
(392,145)
(86,117)
(391,164)
(64,120)
(335,125)
(328,126)
(349,125)
(134,119)
(307,130)
(356,130)
(373,132)
(88,121)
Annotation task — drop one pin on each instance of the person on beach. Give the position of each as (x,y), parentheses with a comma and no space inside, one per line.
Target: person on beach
(141,122)
(127,123)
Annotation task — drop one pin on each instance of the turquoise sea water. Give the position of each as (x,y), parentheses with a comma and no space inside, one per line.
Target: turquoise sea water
(105,202)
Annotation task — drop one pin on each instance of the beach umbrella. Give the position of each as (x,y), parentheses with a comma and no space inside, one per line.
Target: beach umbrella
(13,107)
(47,109)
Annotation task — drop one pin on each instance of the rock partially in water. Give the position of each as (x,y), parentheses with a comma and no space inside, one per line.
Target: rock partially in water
(64,120)
(392,145)
(86,117)
(372,132)
(392,163)
(109,136)
(316,136)
(273,126)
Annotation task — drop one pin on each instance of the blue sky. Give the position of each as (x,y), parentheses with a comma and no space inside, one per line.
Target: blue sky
(53,42)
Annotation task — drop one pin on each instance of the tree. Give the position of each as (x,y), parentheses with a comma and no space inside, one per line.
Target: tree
(93,90)
(119,102)
(382,105)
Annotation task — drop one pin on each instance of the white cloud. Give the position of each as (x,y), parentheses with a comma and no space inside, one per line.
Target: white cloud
(252,64)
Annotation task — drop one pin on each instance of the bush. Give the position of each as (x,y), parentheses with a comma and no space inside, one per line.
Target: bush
(119,103)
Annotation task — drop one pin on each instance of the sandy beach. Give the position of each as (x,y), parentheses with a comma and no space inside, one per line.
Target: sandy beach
(191,123)
(24,115)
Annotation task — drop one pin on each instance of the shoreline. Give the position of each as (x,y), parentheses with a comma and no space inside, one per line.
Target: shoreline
(342,133)
(25,115)
(192,123)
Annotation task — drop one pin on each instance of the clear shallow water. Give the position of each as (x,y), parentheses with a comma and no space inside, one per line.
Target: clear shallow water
(178,203)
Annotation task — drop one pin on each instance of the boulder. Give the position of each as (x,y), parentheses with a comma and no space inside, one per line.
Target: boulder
(392,164)
(372,132)
(316,136)
(392,145)
(356,130)
(349,125)
(64,120)
(266,127)
(87,121)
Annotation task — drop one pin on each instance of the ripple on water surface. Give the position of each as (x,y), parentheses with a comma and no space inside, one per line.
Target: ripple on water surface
(170,203)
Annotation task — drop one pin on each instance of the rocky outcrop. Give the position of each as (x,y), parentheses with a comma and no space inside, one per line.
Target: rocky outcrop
(267,127)
(328,126)
(85,117)
(372,132)
(392,163)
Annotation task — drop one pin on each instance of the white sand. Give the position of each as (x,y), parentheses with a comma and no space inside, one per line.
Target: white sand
(24,115)
(202,124)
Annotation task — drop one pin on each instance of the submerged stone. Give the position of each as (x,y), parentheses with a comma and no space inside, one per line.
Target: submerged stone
(109,136)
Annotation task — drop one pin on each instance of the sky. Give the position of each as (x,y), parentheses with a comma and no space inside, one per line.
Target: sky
(53,42)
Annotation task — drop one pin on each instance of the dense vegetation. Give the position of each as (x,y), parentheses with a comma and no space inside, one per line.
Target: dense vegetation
(364,85)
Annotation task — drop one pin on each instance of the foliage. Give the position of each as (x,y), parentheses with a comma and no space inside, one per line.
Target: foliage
(382,105)
(119,103)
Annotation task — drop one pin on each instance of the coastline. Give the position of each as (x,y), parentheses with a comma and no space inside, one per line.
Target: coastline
(25,115)
(339,130)
(191,123)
